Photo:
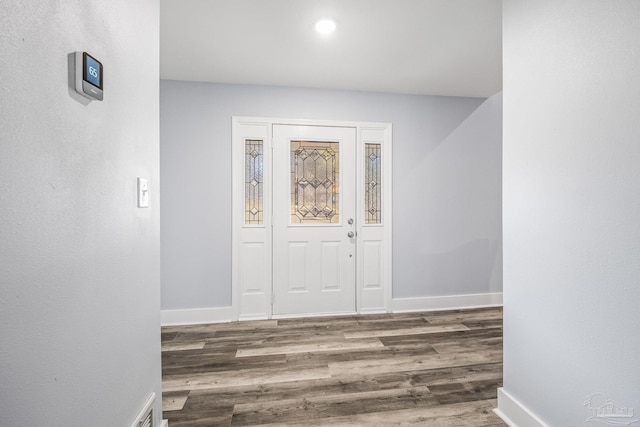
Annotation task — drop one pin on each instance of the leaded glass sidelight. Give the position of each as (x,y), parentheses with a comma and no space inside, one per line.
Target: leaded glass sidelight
(372,184)
(253,181)
(315,182)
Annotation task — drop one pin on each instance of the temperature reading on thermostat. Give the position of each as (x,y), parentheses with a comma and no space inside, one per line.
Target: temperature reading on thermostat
(88,76)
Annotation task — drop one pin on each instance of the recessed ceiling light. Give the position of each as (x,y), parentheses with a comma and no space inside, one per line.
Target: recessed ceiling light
(325,26)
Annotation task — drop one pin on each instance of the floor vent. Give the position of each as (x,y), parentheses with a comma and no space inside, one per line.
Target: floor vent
(146,416)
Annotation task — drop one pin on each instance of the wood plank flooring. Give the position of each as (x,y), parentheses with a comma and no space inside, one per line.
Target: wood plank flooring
(410,369)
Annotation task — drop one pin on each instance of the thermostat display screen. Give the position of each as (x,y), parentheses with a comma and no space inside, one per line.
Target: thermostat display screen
(92,71)
(89,76)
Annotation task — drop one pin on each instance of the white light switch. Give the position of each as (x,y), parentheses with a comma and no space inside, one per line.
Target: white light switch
(143,193)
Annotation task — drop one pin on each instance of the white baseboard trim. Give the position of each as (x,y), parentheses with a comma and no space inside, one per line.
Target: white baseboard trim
(514,413)
(164,423)
(449,302)
(303,315)
(195,316)
(373,310)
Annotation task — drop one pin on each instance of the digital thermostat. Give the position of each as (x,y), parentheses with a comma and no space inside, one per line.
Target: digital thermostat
(89,76)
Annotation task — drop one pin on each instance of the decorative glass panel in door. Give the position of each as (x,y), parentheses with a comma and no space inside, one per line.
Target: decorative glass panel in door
(253,181)
(372,184)
(315,182)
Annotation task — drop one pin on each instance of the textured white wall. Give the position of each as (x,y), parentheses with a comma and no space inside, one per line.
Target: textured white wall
(79,263)
(447,185)
(571,205)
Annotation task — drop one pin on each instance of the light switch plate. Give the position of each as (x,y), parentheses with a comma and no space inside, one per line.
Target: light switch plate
(143,193)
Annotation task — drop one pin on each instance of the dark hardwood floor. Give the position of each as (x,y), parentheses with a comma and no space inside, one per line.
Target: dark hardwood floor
(413,369)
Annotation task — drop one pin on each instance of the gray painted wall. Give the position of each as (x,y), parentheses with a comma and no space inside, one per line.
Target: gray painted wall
(79,263)
(571,205)
(447,184)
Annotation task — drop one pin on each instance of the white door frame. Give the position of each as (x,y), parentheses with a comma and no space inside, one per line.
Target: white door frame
(252,282)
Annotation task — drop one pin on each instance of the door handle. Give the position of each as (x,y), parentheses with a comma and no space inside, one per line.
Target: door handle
(350,234)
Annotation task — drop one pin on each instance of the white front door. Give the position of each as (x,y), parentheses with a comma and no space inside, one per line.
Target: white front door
(314,213)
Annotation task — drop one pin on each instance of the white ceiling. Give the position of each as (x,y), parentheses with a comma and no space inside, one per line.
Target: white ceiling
(436,47)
